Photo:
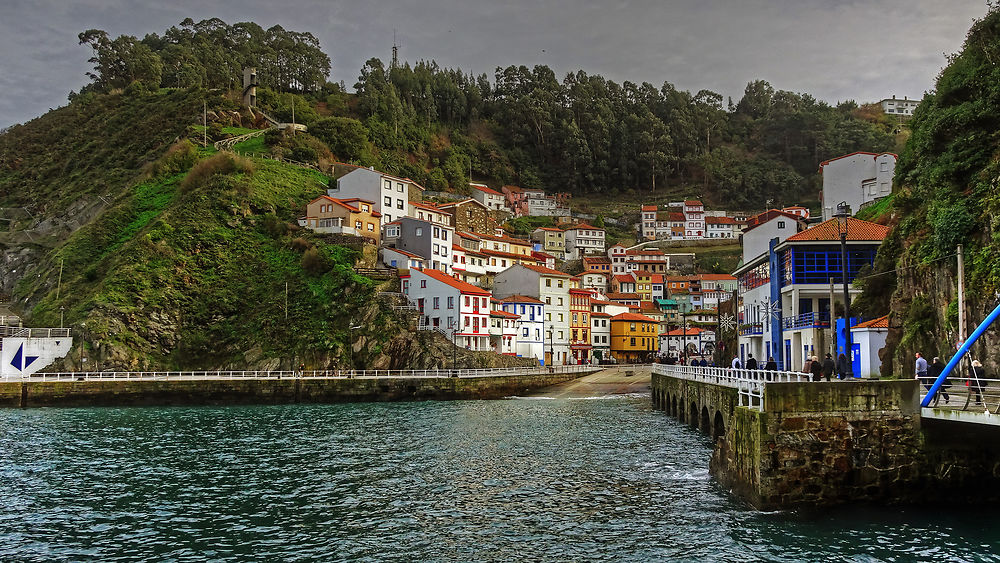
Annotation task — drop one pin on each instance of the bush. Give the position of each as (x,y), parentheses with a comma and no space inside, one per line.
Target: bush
(178,158)
(303,154)
(221,163)
(275,226)
(300,244)
(314,262)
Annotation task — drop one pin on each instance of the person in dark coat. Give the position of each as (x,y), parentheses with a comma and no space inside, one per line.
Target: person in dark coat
(933,372)
(703,363)
(816,369)
(751,362)
(976,383)
(694,362)
(771,365)
(828,367)
(842,366)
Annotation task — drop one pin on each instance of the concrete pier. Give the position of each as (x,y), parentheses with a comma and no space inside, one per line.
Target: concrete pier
(814,444)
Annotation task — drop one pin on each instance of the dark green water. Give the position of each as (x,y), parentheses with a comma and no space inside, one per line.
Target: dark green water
(512,480)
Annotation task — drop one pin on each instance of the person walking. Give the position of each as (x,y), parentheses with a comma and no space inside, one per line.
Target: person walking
(736,363)
(920,372)
(933,372)
(771,365)
(703,363)
(976,383)
(807,365)
(842,366)
(751,362)
(816,369)
(828,366)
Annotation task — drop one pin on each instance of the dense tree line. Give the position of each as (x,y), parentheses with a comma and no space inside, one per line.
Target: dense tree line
(208,54)
(582,134)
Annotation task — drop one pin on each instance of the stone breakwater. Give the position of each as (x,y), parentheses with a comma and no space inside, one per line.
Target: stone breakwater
(267,391)
(821,444)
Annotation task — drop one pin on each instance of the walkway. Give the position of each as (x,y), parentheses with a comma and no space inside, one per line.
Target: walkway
(611,381)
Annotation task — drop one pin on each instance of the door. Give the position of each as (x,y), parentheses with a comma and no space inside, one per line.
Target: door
(548,358)
(785,362)
(856,359)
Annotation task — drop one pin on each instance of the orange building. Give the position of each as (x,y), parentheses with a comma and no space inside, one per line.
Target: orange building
(579,328)
(634,338)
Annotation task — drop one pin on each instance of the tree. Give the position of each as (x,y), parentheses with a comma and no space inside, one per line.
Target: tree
(346,137)
(121,61)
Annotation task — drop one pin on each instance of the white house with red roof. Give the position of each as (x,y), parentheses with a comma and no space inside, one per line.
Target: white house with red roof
(401,259)
(858,179)
(389,194)
(552,288)
(503,329)
(530,327)
(687,340)
(492,199)
(869,339)
(458,309)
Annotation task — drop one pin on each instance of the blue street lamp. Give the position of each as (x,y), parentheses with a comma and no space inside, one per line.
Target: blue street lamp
(842,214)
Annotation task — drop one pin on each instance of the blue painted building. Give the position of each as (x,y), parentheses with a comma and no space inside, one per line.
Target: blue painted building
(787,315)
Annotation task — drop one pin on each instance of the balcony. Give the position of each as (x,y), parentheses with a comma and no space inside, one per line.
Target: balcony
(806,320)
(751,329)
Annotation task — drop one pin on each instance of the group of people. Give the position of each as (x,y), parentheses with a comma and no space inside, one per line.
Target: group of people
(813,366)
(927,374)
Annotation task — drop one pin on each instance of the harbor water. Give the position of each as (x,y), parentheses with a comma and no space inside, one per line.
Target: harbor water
(508,480)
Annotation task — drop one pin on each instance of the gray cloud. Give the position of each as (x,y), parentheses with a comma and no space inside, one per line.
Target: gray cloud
(834,50)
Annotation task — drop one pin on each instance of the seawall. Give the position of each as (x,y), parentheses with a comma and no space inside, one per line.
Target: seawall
(23,394)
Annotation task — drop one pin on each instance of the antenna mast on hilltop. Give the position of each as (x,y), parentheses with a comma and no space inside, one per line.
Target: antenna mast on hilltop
(395,51)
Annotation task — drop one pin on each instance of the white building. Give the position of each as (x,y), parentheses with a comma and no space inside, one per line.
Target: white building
(595,280)
(904,107)
(492,199)
(552,288)
(431,241)
(869,339)
(583,239)
(857,179)
(503,330)
(694,219)
(600,327)
(457,309)
(692,340)
(531,330)
(388,193)
(401,259)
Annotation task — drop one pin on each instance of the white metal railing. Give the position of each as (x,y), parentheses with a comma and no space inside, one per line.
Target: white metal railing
(965,394)
(307,374)
(24,332)
(748,382)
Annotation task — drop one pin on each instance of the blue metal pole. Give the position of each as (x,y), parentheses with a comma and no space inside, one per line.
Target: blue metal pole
(958,355)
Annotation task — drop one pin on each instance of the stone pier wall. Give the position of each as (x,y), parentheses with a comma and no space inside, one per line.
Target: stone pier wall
(266,391)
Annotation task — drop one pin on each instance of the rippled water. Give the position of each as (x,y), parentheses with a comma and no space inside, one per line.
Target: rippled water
(559,480)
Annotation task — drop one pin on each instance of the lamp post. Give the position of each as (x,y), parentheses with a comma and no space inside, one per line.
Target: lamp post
(842,214)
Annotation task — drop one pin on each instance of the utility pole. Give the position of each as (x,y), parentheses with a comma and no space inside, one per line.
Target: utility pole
(293,117)
(961,295)
(833,330)
(844,213)
(204,122)
(286,301)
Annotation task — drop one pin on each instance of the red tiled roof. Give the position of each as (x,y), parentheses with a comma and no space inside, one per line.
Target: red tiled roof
(596,260)
(881,322)
(428,206)
(546,271)
(720,220)
(504,314)
(672,216)
(584,226)
(485,189)
(520,299)
(623,278)
(691,331)
(600,314)
(511,240)
(692,202)
(553,229)
(469,201)
(716,277)
(857,230)
(623,297)
(632,317)
(407,254)
(457,284)
(761,218)
(649,208)
(500,254)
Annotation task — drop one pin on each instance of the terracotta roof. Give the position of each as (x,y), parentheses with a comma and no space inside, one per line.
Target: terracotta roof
(692,202)
(717,277)
(600,314)
(632,317)
(407,254)
(623,297)
(553,229)
(600,302)
(881,322)
(500,254)
(623,278)
(457,284)
(546,271)
(645,252)
(511,240)
(857,230)
(584,226)
(761,218)
(485,189)
(504,314)
(691,331)
(520,299)
(670,216)
(649,208)
(468,201)
(428,206)
(581,291)
(596,259)
(720,220)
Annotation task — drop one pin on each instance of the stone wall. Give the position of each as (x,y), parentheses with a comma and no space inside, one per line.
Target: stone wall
(266,391)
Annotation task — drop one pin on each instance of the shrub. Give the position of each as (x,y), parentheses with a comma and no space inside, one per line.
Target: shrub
(300,244)
(221,163)
(178,158)
(274,226)
(314,262)
(303,154)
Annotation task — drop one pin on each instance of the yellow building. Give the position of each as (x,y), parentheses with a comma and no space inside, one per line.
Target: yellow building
(634,338)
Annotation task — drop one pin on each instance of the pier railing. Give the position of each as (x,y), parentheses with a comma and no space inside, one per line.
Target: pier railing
(748,382)
(966,394)
(312,374)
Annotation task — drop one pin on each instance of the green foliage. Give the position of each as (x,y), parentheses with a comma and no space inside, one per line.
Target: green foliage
(221,163)
(179,157)
(122,62)
(346,137)
(951,225)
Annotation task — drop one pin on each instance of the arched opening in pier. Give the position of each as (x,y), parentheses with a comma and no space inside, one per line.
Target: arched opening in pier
(705,421)
(673,406)
(719,428)
(693,415)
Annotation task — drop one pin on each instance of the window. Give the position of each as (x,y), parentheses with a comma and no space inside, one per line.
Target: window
(371,227)
(437,302)
(388,201)
(388,185)
(560,303)
(548,317)
(560,283)
(419,232)
(632,343)
(466,300)
(423,284)
(444,234)
(400,204)
(548,300)
(561,319)
(548,283)
(781,224)
(399,187)
(524,333)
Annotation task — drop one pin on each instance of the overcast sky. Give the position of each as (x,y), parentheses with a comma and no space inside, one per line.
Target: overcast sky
(834,50)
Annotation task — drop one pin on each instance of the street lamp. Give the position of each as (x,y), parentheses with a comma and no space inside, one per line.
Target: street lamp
(842,214)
